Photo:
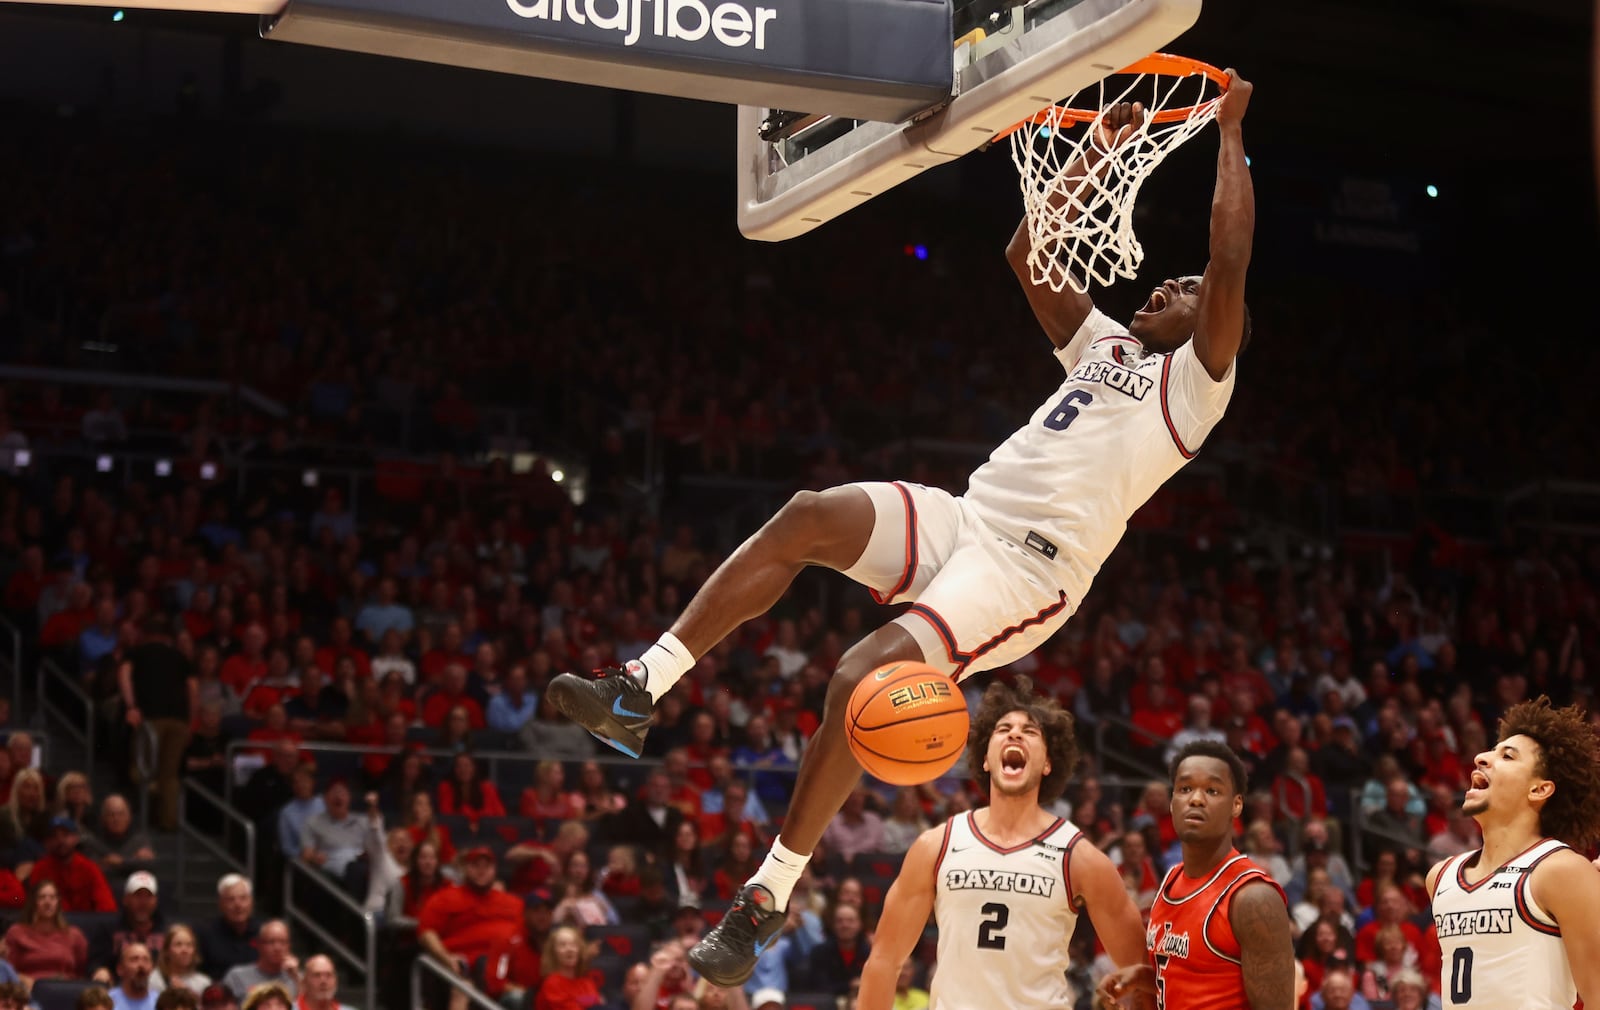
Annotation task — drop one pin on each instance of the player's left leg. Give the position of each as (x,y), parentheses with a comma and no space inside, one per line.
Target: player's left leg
(828,774)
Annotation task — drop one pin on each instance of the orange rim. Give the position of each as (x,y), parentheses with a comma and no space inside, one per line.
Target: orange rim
(1165,64)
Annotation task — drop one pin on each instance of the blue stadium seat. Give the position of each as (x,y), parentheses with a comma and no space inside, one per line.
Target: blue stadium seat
(59,993)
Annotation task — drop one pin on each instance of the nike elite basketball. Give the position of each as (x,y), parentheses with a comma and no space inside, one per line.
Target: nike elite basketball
(907,723)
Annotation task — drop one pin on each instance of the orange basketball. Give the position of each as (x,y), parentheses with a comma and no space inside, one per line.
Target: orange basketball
(907,723)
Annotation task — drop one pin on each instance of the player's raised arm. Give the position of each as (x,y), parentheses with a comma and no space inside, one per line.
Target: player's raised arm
(1569,889)
(1260,921)
(1098,887)
(1060,313)
(1219,328)
(906,909)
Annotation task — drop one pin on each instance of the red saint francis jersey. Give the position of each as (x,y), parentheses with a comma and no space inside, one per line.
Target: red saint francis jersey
(1191,941)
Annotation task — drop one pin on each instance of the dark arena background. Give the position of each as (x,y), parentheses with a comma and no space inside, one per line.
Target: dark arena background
(368,395)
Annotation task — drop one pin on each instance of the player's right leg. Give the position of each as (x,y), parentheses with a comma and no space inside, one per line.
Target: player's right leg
(829,528)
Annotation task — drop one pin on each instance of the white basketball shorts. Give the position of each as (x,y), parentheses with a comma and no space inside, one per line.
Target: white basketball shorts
(979,601)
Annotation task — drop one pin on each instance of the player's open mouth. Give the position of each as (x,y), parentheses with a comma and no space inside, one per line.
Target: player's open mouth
(1479,781)
(1157,302)
(1013,759)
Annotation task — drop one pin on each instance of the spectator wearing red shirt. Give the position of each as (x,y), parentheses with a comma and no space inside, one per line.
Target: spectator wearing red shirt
(1392,910)
(274,687)
(1297,793)
(532,864)
(567,984)
(466,921)
(515,969)
(78,880)
(249,665)
(423,826)
(28,582)
(1158,719)
(467,792)
(423,878)
(66,624)
(449,650)
(701,749)
(340,645)
(452,693)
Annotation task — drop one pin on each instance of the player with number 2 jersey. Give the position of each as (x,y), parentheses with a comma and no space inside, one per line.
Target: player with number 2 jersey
(1005,883)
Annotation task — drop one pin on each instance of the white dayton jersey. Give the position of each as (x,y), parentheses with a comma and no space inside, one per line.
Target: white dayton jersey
(1110,435)
(1499,948)
(1005,918)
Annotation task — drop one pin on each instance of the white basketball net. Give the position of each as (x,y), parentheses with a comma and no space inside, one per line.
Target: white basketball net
(1080,222)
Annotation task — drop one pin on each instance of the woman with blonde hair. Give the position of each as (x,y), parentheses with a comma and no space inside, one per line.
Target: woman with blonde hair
(74,797)
(179,963)
(547,799)
(567,984)
(269,996)
(42,944)
(27,812)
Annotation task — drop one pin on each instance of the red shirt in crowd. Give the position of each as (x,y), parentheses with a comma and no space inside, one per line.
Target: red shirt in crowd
(517,963)
(558,992)
(439,704)
(83,887)
(489,804)
(1366,939)
(240,671)
(471,923)
(64,627)
(328,659)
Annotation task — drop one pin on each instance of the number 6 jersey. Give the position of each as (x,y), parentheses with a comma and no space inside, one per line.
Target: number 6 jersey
(1499,948)
(1117,427)
(1005,919)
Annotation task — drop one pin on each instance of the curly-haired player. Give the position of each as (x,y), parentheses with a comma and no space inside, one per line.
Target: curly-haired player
(1006,882)
(1519,919)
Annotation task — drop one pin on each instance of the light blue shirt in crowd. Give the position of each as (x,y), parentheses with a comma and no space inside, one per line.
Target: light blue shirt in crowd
(504,717)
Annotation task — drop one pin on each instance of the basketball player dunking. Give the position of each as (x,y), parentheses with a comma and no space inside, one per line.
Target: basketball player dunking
(992,573)
(1219,936)
(1519,919)
(1006,882)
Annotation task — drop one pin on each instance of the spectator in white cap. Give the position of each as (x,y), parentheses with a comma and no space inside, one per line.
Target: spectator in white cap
(768,999)
(141,922)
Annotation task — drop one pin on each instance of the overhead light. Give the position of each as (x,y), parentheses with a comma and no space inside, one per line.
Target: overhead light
(163,468)
(558,475)
(103,464)
(310,478)
(1432,190)
(208,471)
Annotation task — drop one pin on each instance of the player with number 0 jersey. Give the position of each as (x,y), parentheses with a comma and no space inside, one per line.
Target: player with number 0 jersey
(1519,919)
(1005,883)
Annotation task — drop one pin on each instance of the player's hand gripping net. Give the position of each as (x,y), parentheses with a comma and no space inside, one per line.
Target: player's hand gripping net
(1082,163)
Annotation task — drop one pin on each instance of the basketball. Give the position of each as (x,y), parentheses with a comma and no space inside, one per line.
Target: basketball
(907,723)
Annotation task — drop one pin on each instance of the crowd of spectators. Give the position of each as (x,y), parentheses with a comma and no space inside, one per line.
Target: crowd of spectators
(424,623)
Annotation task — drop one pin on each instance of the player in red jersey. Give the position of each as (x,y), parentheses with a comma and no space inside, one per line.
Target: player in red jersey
(1219,936)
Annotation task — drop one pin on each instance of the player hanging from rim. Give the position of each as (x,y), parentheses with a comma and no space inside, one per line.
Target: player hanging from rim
(1219,935)
(1519,919)
(1005,883)
(993,573)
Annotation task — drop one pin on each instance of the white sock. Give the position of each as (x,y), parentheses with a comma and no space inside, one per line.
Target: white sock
(665,663)
(779,871)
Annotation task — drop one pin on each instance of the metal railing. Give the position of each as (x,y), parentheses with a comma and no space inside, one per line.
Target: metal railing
(333,940)
(1104,724)
(188,832)
(430,964)
(11,660)
(79,728)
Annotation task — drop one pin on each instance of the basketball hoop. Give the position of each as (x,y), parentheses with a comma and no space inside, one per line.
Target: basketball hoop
(1079,196)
